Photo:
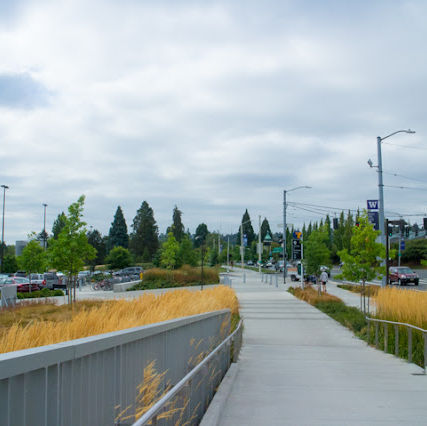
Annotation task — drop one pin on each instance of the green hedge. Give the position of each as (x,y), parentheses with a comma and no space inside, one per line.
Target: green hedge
(40,293)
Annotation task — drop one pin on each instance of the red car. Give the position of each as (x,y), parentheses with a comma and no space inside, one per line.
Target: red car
(402,275)
(22,284)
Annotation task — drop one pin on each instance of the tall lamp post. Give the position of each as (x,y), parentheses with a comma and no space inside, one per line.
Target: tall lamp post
(285,267)
(2,231)
(381,193)
(44,228)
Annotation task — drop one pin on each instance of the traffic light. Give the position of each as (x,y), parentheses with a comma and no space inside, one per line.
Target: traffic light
(335,223)
(407,231)
(389,230)
(425,223)
(357,224)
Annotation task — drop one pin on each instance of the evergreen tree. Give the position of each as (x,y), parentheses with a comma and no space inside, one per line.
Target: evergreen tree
(265,227)
(145,232)
(247,229)
(328,232)
(118,235)
(177,229)
(58,225)
(95,240)
(202,232)
(187,255)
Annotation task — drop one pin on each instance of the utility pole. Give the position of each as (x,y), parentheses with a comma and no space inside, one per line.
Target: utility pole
(259,246)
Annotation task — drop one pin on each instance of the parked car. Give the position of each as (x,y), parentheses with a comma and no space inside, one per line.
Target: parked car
(22,284)
(131,271)
(52,281)
(20,274)
(402,275)
(37,279)
(250,263)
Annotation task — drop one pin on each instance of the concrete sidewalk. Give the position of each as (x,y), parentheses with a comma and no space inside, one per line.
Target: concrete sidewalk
(300,367)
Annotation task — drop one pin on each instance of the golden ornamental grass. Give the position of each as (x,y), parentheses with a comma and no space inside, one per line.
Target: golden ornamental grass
(395,304)
(117,315)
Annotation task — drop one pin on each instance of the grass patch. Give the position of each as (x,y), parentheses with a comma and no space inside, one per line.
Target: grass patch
(331,305)
(183,277)
(36,325)
(371,290)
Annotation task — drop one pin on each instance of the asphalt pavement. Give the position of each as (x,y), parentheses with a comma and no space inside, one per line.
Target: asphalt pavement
(300,367)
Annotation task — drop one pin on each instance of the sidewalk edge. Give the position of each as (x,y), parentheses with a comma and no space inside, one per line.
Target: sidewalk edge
(212,416)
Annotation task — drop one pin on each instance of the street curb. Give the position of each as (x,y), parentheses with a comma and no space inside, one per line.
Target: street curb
(213,415)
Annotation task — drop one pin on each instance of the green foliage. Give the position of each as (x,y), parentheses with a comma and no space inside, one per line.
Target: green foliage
(40,294)
(185,276)
(170,252)
(10,264)
(360,263)
(265,227)
(119,258)
(316,251)
(187,255)
(98,243)
(145,232)
(33,258)
(213,260)
(247,229)
(71,249)
(58,225)
(177,228)
(118,235)
(415,251)
(200,235)
(146,255)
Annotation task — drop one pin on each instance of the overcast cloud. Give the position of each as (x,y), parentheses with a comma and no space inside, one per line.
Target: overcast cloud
(211,106)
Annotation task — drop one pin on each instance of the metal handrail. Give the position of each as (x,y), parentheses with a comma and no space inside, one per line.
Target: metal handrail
(152,413)
(410,327)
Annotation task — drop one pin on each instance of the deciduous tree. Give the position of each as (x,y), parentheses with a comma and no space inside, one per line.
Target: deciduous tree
(70,250)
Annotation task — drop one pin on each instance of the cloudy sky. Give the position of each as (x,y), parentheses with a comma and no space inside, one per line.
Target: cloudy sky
(213,106)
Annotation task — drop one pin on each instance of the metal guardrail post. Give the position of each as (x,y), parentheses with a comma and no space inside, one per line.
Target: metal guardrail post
(277,281)
(376,335)
(271,279)
(385,337)
(396,340)
(262,277)
(409,344)
(369,330)
(244,278)
(425,351)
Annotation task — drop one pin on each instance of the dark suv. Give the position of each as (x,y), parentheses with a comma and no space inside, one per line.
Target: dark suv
(130,271)
(402,275)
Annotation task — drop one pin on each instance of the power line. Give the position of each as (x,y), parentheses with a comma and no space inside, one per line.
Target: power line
(404,146)
(406,187)
(322,207)
(405,177)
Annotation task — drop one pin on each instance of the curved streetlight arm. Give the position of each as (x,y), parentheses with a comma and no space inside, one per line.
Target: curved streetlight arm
(399,131)
(285,268)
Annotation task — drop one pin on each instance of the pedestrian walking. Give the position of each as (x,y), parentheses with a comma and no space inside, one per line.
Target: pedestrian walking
(324,279)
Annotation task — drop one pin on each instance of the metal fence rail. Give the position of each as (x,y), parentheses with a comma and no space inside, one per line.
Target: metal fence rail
(409,328)
(90,381)
(194,393)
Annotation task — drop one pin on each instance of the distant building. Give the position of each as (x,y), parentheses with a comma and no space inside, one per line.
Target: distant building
(19,246)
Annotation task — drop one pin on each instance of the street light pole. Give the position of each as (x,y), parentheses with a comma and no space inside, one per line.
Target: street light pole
(285,267)
(44,227)
(381,194)
(2,232)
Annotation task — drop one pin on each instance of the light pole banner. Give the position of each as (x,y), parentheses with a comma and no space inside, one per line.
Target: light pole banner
(372,204)
(374,219)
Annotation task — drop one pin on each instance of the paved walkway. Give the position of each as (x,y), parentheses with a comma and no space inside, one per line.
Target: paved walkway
(300,367)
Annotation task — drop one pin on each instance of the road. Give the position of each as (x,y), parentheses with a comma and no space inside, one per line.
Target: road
(422,273)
